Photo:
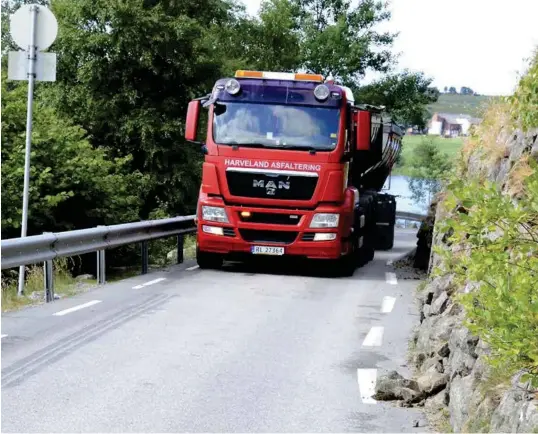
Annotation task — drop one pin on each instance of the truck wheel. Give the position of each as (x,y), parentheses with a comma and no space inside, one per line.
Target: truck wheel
(346,265)
(385,240)
(386,217)
(369,230)
(207,260)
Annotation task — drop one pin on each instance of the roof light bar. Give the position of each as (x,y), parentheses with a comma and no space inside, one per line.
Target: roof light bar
(279,76)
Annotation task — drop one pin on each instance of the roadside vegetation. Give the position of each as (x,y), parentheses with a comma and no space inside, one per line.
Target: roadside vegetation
(494,233)
(64,285)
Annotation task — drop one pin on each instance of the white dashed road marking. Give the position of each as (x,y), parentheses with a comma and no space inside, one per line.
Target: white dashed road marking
(374,338)
(75,308)
(195,267)
(3,336)
(389,263)
(367,379)
(391,278)
(388,304)
(151,282)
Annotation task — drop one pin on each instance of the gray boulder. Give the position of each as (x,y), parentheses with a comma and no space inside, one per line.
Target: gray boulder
(432,381)
(393,386)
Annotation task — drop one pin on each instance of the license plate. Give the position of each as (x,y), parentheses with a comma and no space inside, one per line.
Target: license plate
(267,250)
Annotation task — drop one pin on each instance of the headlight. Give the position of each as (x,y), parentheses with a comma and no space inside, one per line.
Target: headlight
(325,221)
(213,230)
(214,214)
(321,92)
(233,87)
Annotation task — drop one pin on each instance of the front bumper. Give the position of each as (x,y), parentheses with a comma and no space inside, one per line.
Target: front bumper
(288,229)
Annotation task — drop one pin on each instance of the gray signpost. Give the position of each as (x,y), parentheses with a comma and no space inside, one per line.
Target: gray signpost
(33,28)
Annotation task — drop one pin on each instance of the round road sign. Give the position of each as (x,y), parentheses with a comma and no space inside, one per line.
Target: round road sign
(46,27)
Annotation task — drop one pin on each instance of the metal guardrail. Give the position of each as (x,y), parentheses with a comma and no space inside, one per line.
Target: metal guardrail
(404,215)
(49,246)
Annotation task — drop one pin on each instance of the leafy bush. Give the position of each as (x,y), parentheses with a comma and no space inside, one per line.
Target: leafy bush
(494,244)
(524,102)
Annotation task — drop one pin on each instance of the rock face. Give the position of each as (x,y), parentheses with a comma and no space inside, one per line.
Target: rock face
(452,376)
(517,412)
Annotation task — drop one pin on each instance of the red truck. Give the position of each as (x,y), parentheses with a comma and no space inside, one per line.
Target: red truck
(292,167)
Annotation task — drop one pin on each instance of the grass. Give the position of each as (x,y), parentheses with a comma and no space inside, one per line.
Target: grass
(64,284)
(442,424)
(451,147)
(189,249)
(460,104)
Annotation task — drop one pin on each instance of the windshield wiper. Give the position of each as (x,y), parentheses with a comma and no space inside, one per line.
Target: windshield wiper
(236,145)
(311,149)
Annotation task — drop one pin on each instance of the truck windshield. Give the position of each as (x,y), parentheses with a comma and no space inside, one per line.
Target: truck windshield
(276,126)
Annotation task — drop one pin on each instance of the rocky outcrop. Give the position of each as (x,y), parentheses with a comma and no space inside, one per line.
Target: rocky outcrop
(452,377)
(474,397)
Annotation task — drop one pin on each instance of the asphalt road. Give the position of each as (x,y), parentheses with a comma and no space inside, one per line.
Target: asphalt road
(246,349)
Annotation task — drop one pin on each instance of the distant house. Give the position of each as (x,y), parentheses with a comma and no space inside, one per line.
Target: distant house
(451,125)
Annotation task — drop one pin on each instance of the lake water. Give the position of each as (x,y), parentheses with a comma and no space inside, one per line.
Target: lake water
(399,186)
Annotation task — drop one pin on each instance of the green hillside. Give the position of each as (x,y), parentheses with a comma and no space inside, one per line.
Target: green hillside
(460,104)
(451,147)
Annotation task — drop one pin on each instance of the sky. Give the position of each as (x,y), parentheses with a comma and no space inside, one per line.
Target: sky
(481,44)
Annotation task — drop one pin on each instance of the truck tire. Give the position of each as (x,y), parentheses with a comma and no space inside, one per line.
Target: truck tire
(346,265)
(207,260)
(385,237)
(368,231)
(385,222)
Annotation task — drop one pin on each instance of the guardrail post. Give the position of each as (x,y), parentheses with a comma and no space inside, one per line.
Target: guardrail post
(48,274)
(145,257)
(180,246)
(101,276)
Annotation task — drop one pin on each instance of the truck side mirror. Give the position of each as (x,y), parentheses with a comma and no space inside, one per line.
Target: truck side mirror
(191,126)
(363,121)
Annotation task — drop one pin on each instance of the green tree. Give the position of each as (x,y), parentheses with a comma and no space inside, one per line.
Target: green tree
(466,91)
(72,185)
(405,96)
(340,38)
(126,73)
(278,37)
(429,167)
(270,41)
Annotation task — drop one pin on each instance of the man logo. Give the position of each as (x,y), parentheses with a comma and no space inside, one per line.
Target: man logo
(271,186)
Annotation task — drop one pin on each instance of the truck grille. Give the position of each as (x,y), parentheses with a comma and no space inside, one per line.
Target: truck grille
(271,186)
(272,218)
(259,236)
